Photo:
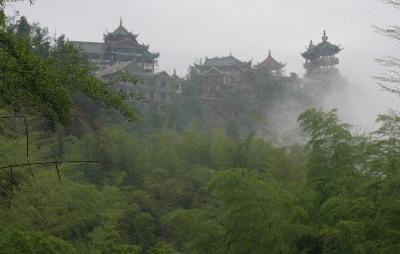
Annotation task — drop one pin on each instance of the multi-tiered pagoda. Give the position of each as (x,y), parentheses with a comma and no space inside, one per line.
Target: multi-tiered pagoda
(321,58)
(120,46)
(122,53)
(268,67)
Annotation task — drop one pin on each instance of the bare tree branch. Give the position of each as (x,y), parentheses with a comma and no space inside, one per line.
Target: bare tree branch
(392,32)
(394,3)
(54,162)
(27,148)
(58,172)
(11,185)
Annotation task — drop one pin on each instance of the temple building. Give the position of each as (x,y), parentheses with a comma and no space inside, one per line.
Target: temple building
(269,67)
(122,53)
(321,58)
(157,87)
(221,74)
(118,46)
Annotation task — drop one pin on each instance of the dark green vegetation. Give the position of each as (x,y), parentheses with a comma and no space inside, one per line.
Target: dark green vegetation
(40,77)
(178,188)
(194,192)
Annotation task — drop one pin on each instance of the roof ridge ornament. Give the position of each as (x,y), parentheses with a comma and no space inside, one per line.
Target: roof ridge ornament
(120,21)
(269,53)
(324,37)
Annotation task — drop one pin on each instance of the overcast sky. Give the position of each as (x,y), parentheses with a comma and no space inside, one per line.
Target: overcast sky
(185,30)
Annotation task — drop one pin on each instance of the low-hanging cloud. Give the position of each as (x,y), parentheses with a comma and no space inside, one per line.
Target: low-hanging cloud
(183,31)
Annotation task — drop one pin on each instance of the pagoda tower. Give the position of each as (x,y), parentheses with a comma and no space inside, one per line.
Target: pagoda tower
(122,46)
(268,67)
(321,58)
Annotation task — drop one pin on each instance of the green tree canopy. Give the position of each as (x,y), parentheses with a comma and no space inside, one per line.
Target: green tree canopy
(33,81)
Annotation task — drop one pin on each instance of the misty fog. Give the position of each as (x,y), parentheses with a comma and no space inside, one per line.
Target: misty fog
(186,31)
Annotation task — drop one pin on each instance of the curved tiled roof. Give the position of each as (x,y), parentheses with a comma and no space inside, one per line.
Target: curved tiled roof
(270,63)
(222,61)
(324,48)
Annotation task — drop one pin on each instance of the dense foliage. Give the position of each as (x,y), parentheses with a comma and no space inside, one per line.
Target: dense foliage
(207,192)
(42,78)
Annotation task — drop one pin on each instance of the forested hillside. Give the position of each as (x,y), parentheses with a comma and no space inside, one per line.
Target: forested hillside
(77,176)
